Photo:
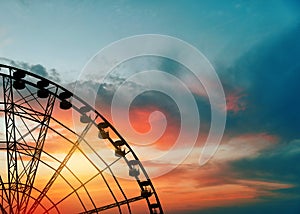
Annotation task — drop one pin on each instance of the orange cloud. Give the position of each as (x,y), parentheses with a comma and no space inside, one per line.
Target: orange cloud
(189,187)
(139,122)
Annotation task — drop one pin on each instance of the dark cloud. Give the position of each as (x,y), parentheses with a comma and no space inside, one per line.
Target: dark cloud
(271,207)
(268,77)
(277,164)
(38,69)
(153,98)
(269,74)
(54,75)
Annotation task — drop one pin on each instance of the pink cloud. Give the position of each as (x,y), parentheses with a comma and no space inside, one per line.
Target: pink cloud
(234,102)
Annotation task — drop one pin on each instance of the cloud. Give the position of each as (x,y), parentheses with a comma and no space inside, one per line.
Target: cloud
(235,102)
(278,164)
(38,69)
(248,169)
(268,75)
(216,184)
(243,146)
(143,105)
(275,206)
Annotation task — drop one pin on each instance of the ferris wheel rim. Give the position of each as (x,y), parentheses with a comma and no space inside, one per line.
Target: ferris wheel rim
(98,114)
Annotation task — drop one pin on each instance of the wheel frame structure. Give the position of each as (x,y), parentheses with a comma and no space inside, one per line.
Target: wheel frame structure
(16,191)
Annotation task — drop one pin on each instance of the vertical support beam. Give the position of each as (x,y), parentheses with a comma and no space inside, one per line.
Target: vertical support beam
(2,209)
(4,195)
(11,145)
(32,166)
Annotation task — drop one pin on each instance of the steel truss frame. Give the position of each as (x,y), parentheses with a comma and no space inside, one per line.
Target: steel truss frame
(16,192)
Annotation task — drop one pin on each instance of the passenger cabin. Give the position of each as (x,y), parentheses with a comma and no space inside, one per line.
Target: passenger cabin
(85,119)
(154,208)
(42,84)
(65,95)
(42,92)
(65,104)
(119,151)
(146,193)
(19,83)
(146,189)
(19,74)
(102,133)
(134,169)
(84,109)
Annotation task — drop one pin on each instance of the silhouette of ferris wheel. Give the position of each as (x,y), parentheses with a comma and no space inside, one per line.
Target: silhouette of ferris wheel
(46,166)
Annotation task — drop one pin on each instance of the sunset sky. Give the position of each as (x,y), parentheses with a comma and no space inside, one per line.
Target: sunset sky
(254,47)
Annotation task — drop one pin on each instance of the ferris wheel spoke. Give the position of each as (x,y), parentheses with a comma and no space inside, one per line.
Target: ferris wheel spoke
(28,132)
(60,168)
(104,179)
(27,102)
(108,167)
(52,168)
(75,190)
(89,180)
(54,205)
(27,113)
(99,209)
(24,99)
(82,184)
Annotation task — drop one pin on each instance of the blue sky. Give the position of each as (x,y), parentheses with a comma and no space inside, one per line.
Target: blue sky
(255,49)
(65,34)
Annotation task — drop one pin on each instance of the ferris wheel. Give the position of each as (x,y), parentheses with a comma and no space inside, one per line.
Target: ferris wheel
(48,166)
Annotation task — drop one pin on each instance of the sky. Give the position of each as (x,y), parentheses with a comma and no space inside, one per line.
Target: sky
(254,48)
